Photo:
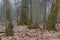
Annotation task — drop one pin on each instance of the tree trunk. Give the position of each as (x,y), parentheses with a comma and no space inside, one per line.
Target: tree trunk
(51,22)
(9,25)
(44,15)
(7,10)
(23,18)
(34,19)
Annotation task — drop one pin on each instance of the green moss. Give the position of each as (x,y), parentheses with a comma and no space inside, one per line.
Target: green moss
(9,29)
(23,19)
(51,22)
(9,26)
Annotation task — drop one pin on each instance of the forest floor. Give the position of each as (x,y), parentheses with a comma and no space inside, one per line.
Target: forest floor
(23,33)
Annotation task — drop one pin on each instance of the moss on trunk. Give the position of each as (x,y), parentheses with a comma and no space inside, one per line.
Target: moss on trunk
(23,17)
(9,25)
(51,22)
(9,29)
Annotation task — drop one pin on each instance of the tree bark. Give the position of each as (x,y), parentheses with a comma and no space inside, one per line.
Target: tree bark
(9,25)
(23,18)
(51,22)
(34,19)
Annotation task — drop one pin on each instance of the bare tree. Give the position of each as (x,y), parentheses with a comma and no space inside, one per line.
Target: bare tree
(51,22)
(23,18)
(35,10)
(9,25)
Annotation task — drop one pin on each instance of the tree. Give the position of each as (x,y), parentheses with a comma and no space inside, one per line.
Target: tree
(51,22)
(23,18)
(33,23)
(9,25)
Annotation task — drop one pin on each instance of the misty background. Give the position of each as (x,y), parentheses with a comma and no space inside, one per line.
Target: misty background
(15,7)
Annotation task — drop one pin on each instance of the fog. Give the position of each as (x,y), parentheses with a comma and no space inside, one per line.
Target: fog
(16,5)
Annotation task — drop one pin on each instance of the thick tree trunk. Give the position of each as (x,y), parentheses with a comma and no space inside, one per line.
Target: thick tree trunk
(35,5)
(51,22)
(23,18)
(9,25)
(7,10)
